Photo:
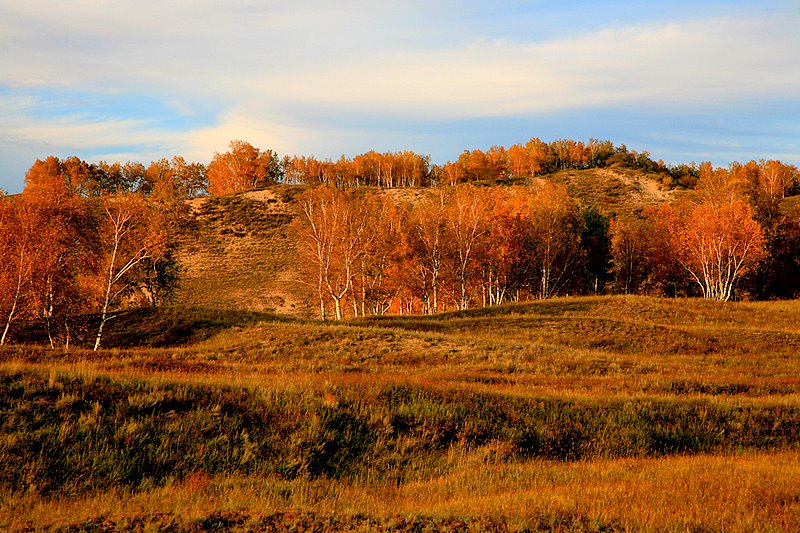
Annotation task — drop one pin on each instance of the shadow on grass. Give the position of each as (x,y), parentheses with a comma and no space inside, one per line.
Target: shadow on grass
(153,327)
(543,308)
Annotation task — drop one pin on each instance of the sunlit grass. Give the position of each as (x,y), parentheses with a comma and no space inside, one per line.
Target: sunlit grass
(737,493)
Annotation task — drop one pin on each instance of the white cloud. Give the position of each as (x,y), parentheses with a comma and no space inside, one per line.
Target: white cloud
(242,124)
(695,63)
(358,55)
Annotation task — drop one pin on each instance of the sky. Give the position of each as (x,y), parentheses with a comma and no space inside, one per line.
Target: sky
(701,80)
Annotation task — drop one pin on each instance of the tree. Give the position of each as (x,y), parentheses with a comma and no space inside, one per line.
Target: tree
(632,250)
(48,179)
(467,210)
(775,178)
(499,260)
(379,250)
(119,178)
(717,244)
(596,246)
(777,275)
(68,255)
(554,237)
(427,246)
(333,230)
(182,179)
(130,238)
(243,168)
(18,248)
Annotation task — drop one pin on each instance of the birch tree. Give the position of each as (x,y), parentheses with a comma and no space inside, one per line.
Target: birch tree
(130,239)
(333,230)
(716,244)
(468,214)
(18,249)
(554,233)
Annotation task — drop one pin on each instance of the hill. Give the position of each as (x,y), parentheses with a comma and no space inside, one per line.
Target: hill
(574,414)
(240,253)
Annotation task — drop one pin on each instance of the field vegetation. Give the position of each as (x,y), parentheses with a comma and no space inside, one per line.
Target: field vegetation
(574,414)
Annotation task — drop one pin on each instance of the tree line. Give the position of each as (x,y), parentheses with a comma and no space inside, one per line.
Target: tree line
(244,167)
(465,245)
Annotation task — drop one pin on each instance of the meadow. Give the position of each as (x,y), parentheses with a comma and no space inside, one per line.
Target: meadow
(573,414)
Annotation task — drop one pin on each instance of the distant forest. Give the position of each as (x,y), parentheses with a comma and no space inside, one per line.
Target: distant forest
(86,237)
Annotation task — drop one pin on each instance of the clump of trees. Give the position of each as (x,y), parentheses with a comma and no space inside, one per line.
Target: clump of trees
(534,158)
(454,248)
(727,234)
(463,245)
(83,238)
(88,237)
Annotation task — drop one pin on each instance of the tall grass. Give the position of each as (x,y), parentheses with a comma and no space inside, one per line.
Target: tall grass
(735,493)
(100,433)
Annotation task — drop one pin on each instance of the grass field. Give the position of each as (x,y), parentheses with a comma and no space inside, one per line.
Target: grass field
(575,414)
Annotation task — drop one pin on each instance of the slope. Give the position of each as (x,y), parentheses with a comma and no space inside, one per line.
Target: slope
(241,253)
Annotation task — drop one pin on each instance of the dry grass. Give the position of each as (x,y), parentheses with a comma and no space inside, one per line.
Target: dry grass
(241,255)
(722,377)
(740,493)
(620,192)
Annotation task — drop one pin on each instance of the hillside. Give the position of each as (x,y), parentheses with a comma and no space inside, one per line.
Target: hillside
(574,414)
(618,191)
(240,253)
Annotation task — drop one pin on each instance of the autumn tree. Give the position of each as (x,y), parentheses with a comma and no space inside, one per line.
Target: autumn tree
(380,248)
(333,230)
(554,230)
(177,176)
(450,174)
(715,243)
(130,238)
(18,247)
(629,247)
(243,167)
(118,178)
(468,223)
(427,246)
(775,178)
(68,257)
(642,257)
(479,165)
(499,260)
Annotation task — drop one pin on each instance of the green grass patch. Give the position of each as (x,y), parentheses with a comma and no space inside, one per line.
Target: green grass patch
(71,435)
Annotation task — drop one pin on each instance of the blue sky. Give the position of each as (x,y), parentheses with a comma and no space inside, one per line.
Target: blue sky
(145,79)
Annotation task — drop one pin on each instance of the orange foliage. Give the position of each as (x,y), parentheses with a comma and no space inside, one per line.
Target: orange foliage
(243,167)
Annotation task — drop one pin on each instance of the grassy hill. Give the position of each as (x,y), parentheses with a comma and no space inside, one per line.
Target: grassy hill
(241,254)
(574,414)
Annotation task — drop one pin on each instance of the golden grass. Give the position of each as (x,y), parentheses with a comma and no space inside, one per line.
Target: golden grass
(735,493)
(582,347)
